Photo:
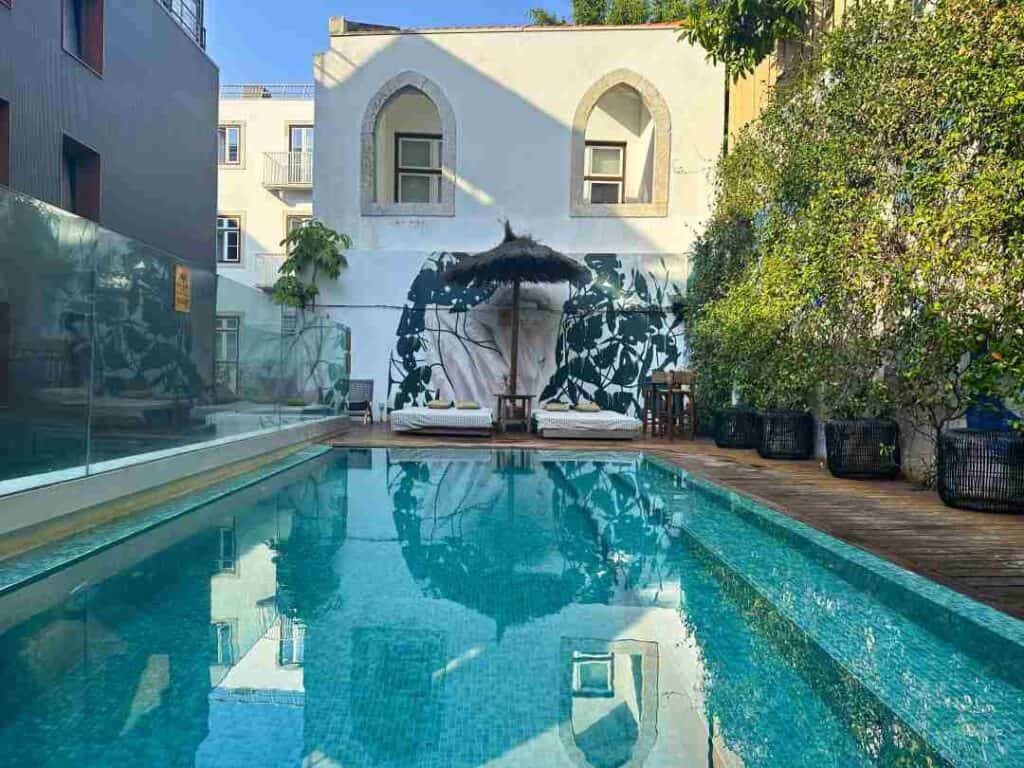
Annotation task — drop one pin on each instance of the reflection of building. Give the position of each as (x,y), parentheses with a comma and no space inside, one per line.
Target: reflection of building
(596,140)
(438,675)
(271,568)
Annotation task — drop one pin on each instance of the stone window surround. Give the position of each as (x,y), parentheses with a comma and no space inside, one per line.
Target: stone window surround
(368,194)
(656,105)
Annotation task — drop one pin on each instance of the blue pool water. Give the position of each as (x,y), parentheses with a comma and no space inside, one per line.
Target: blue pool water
(415,608)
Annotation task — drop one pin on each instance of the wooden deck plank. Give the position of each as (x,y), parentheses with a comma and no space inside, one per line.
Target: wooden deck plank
(980,555)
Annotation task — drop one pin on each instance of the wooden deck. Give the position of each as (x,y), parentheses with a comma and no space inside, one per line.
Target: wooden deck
(980,555)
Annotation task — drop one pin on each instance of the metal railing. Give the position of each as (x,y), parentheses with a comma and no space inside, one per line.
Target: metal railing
(189,15)
(267,266)
(297,91)
(287,169)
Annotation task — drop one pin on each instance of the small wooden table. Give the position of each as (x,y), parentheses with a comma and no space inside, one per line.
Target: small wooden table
(514,410)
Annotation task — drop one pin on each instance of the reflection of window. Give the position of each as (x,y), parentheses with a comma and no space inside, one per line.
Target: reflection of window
(417,168)
(229,239)
(291,646)
(224,644)
(229,144)
(605,172)
(593,675)
(226,352)
(227,562)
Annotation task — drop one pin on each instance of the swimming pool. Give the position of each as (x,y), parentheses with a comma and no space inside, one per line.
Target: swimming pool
(469,607)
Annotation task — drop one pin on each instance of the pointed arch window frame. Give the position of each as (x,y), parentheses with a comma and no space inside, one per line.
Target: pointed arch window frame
(658,108)
(370,205)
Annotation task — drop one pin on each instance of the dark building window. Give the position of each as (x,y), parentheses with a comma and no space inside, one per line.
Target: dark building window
(83,31)
(80,187)
(5,142)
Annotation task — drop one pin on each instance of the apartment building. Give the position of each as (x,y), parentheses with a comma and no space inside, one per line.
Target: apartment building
(265,177)
(102,104)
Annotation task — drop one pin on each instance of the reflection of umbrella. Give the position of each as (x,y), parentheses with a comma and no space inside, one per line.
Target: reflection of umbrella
(514,261)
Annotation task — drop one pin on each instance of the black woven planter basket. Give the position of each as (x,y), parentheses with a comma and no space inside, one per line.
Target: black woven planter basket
(863,448)
(982,470)
(737,428)
(786,435)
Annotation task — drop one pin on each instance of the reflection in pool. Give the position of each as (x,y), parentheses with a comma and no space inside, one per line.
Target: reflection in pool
(463,607)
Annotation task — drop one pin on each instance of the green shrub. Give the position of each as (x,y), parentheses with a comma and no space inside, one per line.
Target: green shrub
(866,250)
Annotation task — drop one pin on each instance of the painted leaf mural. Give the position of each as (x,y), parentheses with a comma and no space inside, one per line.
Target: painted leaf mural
(598,342)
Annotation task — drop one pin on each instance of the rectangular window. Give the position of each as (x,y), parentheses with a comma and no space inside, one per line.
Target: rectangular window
(229,239)
(5,143)
(229,145)
(224,644)
(417,168)
(300,138)
(226,562)
(226,354)
(83,31)
(291,647)
(80,180)
(604,177)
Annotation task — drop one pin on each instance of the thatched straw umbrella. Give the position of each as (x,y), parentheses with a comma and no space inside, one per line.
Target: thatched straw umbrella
(514,261)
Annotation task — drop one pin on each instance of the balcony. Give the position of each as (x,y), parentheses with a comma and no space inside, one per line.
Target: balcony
(189,15)
(267,266)
(288,170)
(285,91)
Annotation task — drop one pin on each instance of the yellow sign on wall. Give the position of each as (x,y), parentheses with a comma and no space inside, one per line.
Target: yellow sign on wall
(182,289)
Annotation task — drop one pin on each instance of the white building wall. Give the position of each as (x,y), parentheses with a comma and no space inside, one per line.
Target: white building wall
(265,126)
(514,93)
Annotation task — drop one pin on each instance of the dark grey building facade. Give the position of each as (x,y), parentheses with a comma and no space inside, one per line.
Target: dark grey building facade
(122,90)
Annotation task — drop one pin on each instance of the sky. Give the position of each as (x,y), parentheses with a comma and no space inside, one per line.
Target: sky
(270,41)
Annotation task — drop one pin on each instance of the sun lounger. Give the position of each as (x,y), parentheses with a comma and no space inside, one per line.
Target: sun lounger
(598,425)
(443,421)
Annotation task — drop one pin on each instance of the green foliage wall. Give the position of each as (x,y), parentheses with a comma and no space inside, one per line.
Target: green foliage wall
(866,251)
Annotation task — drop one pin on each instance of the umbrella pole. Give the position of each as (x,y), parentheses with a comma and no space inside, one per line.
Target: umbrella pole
(514,376)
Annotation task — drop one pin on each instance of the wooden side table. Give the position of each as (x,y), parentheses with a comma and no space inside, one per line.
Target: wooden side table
(514,410)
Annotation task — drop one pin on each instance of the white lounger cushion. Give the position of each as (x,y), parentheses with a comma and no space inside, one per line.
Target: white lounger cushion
(412,419)
(600,421)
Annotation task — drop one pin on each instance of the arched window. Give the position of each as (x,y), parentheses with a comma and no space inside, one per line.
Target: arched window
(408,150)
(621,146)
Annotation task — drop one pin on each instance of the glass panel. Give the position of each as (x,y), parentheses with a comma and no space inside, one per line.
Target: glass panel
(606,161)
(46,297)
(603,192)
(415,153)
(414,188)
(112,349)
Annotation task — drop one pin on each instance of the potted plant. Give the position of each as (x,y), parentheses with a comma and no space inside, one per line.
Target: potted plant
(737,426)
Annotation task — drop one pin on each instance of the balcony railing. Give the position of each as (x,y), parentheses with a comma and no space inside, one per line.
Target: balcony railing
(189,15)
(293,91)
(282,170)
(267,269)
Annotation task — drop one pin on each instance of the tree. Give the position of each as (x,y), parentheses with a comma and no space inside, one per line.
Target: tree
(668,10)
(585,12)
(741,33)
(627,12)
(313,248)
(544,18)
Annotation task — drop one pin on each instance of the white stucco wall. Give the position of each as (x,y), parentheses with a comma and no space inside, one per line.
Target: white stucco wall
(265,127)
(514,93)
